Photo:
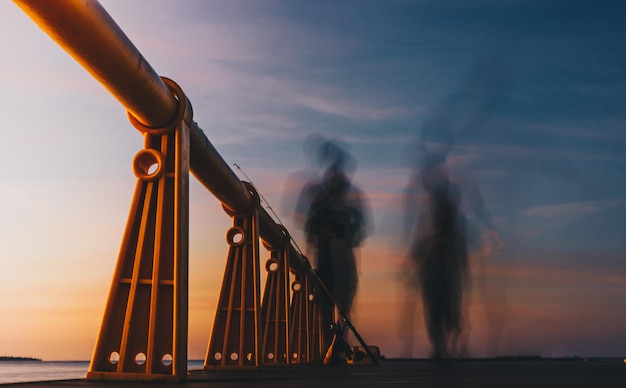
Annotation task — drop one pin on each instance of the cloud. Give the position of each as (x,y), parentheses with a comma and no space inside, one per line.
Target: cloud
(542,219)
(547,218)
(347,108)
(565,211)
(240,42)
(553,276)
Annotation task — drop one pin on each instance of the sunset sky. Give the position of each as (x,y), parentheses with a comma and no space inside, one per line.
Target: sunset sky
(534,92)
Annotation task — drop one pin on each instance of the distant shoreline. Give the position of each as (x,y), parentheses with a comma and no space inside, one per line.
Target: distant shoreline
(12,358)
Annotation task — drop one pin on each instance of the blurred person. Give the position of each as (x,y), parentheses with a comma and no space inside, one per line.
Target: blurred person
(447,223)
(437,266)
(335,224)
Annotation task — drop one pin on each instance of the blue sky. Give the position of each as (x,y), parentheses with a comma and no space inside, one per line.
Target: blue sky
(534,93)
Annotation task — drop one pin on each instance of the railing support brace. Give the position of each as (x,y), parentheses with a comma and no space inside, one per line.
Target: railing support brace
(235,339)
(143,335)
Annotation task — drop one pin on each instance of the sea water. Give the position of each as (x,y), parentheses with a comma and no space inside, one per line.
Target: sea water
(27,371)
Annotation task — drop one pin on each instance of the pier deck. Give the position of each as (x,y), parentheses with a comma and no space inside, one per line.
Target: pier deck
(399,373)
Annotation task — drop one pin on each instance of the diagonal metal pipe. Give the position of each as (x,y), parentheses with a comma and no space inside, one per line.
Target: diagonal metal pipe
(87,32)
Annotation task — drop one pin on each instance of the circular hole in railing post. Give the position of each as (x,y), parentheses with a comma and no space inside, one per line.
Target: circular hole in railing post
(114,358)
(234,356)
(296,286)
(218,356)
(140,358)
(235,236)
(167,359)
(272,265)
(148,164)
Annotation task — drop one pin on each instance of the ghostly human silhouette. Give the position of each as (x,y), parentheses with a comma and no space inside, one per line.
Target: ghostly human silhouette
(446,220)
(335,224)
(440,258)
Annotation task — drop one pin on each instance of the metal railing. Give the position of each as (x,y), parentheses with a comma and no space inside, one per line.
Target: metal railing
(87,32)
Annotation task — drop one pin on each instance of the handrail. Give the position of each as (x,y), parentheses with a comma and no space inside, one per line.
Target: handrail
(87,32)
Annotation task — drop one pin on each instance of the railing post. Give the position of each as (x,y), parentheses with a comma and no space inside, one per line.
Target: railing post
(236,336)
(144,329)
(275,309)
